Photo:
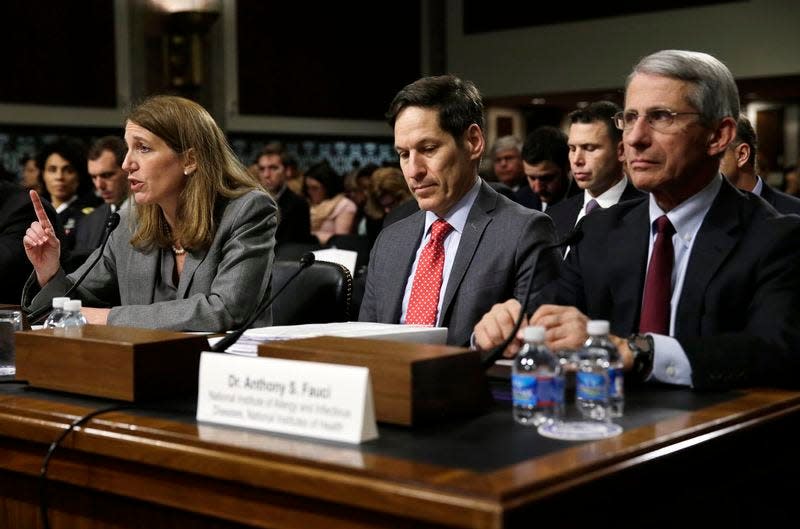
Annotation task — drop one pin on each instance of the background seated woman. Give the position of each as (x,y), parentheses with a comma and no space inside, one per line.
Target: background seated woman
(332,213)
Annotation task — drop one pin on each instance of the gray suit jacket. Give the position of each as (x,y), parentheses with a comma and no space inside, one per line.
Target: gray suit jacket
(498,255)
(219,287)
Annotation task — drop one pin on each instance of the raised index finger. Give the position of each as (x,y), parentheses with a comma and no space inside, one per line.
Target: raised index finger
(39,209)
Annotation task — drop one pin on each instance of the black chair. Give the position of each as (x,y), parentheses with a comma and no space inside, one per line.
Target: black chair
(322,293)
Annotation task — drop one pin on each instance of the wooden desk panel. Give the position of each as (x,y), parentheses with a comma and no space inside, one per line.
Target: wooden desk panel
(164,466)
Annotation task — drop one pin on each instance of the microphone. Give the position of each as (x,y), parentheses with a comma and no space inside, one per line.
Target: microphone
(111,223)
(574,236)
(306,260)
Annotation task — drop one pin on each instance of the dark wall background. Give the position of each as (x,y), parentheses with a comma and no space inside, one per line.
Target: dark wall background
(58,53)
(481,16)
(325,59)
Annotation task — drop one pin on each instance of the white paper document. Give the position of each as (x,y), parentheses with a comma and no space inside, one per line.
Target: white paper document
(248,344)
(346,258)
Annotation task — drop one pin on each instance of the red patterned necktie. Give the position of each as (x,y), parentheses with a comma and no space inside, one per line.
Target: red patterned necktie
(424,301)
(658,285)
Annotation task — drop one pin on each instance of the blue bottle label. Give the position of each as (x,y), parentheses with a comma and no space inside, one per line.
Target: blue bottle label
(524,390)
(550,391)
(591,386)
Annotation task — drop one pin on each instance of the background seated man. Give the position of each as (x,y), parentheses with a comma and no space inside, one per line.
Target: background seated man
(596,158)
(111,184)
(739,165)
(16,215)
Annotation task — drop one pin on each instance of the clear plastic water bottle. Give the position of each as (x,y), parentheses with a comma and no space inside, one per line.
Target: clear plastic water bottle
(537,382)
(56,317)
(592,381)
(72,315)
(616,379)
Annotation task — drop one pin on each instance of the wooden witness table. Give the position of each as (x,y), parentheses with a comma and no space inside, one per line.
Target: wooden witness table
(720,453)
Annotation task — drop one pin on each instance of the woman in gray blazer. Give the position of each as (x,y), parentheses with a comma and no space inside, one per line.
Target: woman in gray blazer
(194,252)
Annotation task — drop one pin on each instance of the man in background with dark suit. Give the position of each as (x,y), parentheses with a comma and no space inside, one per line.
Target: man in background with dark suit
(545,162)
(707,277)
(111,184)
(294,224)
(469,246)
(596,157)
(739,166)
(507,162)
(16,215)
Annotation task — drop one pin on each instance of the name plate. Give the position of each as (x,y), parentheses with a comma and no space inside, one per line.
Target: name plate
(312,399)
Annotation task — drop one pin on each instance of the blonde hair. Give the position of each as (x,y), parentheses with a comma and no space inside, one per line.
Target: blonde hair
(185,125)
(385,181)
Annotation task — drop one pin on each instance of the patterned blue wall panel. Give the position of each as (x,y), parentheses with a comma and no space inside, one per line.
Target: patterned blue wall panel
(343,155)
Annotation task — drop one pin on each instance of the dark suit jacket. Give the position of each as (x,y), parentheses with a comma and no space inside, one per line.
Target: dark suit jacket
(90,229)
(565,213)
(295,220)
(784,203)
(526,197)
(498,255)
(738,319)
(72,215)
(16,215)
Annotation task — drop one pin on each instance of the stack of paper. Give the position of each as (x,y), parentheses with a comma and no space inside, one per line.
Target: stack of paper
(250,340)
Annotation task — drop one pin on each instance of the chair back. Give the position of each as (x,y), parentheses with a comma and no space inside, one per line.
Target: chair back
(322,293)
(293,250)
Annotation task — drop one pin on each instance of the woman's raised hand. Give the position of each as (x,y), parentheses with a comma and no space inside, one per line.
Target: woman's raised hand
(41,244)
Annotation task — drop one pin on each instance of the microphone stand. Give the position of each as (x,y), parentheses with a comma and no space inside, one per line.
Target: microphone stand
(305,261)
(37,316)
(494,354)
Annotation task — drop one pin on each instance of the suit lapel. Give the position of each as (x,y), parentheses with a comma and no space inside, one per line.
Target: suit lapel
(628,243)
(767,194)
(404,249)
(715,240)
(193,260)
(477,220)
(575,207)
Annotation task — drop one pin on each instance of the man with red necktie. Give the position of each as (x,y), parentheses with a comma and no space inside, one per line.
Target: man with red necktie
(468,247)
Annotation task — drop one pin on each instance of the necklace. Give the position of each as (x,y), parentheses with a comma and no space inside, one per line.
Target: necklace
(178,250)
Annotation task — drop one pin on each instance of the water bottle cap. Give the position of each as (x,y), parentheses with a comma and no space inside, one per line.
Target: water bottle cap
(58,303)
(595,327)
(533,334)
(72,305)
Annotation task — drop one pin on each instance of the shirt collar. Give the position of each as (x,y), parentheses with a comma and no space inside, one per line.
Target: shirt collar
(457,216)
(609,197)
(759,187)
(689,214)
(65,205)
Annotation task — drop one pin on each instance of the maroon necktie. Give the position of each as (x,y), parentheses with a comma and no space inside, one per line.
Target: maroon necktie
(658,285)
(592,205)
(423,304)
